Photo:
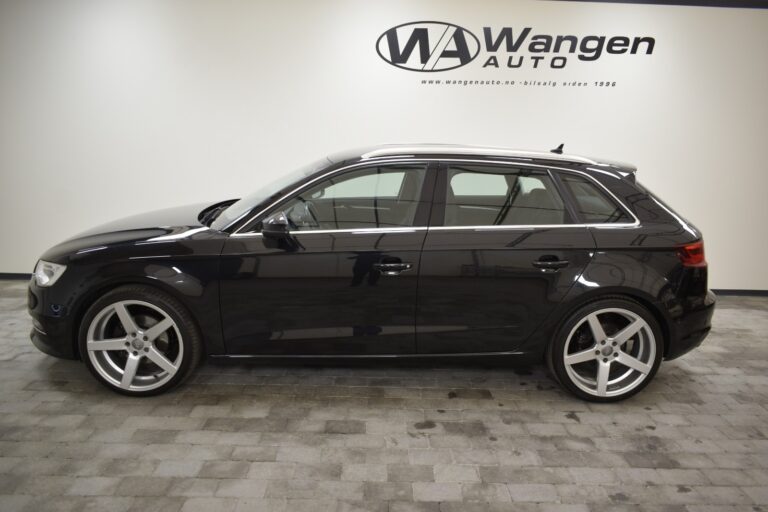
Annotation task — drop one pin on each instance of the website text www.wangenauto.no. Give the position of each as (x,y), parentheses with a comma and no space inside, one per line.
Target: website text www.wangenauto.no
(523,83)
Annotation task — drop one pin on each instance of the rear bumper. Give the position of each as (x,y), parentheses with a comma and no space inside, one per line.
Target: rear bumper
(690,329)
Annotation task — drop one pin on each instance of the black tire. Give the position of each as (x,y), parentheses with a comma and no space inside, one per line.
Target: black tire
(190,339)
(555,355)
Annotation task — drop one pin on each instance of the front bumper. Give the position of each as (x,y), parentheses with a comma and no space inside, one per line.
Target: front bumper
(51,329)
(691,328)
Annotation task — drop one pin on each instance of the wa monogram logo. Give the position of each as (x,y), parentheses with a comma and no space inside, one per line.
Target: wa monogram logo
(428,46)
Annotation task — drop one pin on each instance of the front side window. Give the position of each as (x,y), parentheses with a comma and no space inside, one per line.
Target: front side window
(501,196)
(373,197)
(591,203)
(266,192)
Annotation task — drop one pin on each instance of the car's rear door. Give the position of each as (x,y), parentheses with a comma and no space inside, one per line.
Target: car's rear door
(501,252)
(346,282)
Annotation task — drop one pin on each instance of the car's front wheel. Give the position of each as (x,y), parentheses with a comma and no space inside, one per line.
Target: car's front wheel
(139,341)
(607,350)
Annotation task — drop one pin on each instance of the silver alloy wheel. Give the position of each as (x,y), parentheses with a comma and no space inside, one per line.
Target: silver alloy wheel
(136,351)
(612,364)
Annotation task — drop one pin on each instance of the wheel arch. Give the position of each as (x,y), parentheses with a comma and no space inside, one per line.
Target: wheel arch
(642,298)
(93,294)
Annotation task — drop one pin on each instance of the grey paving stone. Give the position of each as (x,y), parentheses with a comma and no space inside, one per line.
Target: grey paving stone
(364,472)
(259,504)
(127,467)
(194,487)
(255,453)
(410,473)
(44,485)
(209,505)
(344,427)
(758,494)
(436,491)
(485,493)
(144,486)
(272,470)
(15,502)
(456,473)
(144,435)
(182,468)
(388,491)
(156,504)
(241,488)
(318,471)
(532,492)
(94,486)
(224,469)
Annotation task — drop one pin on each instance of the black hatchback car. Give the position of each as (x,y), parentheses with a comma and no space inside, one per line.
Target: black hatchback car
(391,251)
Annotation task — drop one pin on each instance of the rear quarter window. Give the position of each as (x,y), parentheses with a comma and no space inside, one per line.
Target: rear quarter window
(593,205)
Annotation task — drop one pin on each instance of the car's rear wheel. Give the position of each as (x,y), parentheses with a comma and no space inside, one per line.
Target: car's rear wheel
(139,341)
(607,350)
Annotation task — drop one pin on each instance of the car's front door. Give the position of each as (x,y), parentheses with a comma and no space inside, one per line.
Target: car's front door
(343,280)
(501,253)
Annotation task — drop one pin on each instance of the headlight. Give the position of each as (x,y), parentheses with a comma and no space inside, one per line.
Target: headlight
(47,273)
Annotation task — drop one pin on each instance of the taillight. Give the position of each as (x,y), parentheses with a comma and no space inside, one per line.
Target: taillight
(692,255)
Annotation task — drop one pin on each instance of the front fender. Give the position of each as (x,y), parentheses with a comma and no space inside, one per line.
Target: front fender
(188,271)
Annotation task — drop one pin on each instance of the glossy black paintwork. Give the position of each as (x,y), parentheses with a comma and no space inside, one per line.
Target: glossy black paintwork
(324,298)
(182,259)
(468,292)
(485,283)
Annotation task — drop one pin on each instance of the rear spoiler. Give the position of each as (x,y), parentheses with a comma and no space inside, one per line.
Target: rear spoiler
(620,169)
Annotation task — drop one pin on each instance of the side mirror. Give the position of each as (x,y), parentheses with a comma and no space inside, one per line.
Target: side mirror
(276,226)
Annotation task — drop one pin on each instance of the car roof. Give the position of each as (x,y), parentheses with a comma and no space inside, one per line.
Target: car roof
(454,150)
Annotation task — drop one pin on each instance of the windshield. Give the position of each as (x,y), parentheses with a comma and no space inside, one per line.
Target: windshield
(244,205)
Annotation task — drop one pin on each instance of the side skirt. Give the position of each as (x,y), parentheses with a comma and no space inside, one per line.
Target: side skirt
(367,356)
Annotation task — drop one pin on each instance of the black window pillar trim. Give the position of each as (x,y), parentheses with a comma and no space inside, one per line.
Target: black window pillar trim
(568,200)
(437,218)
(424,208)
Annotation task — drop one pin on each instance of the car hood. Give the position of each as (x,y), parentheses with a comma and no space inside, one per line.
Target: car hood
(157,226)
(159,219)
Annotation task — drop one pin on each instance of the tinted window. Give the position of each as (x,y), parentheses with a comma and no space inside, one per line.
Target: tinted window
(378,184)
(374,197)
(488,196)
(592,204)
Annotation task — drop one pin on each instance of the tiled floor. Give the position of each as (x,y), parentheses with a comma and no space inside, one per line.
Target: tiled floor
(385,437)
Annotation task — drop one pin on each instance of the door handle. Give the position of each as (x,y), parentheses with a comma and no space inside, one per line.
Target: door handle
(549,264)
(392,269)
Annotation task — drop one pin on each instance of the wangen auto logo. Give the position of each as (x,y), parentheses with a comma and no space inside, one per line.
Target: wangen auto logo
(428,46)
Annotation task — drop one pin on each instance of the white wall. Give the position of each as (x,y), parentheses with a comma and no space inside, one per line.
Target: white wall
(109,108)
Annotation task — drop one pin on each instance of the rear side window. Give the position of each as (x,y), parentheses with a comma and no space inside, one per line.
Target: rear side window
(501,196)
(592,204)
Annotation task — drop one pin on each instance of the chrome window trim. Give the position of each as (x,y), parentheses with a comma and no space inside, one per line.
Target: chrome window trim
(361,231)
(603,225)
(503,227)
